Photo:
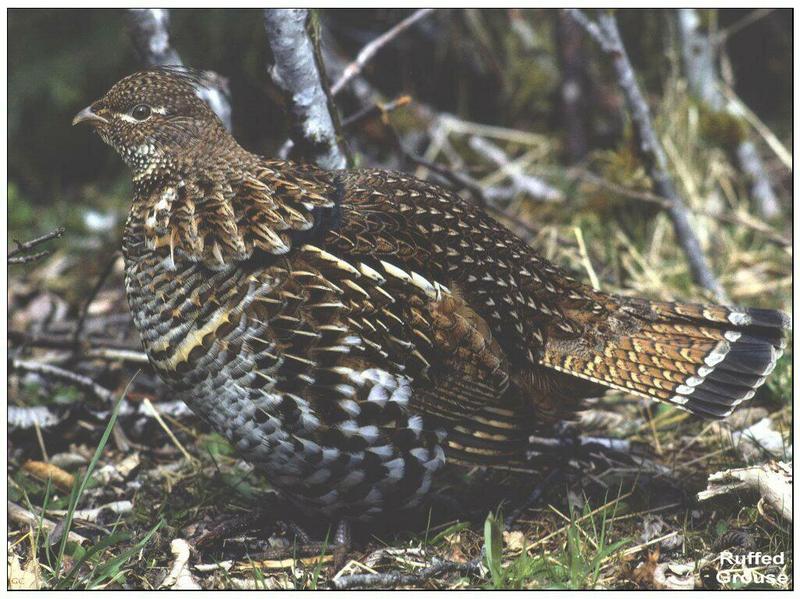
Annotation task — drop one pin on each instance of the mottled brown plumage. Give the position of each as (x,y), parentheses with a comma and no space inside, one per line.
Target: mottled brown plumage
(353,332)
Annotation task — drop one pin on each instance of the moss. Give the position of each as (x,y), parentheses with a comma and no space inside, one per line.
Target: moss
(721,128)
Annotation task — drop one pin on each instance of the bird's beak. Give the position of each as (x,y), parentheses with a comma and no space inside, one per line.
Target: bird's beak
(88,116)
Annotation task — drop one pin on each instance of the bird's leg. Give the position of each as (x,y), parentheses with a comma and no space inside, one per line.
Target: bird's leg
(344,533)
(299,533)
(229,526)
(304,545)
(534,495)
(342,539)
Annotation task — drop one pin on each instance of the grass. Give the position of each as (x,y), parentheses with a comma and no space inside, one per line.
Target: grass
(72,566)
(578,563)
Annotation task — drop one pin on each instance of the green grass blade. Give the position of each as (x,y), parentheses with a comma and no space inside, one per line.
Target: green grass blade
(79,488)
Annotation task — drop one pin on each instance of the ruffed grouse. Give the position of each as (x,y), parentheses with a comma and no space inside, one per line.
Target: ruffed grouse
(353,332)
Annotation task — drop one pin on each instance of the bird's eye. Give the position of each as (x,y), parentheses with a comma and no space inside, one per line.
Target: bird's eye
(140,112)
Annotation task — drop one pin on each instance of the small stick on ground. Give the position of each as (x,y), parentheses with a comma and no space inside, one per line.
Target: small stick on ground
(20,515)
(387,580)
(55,372)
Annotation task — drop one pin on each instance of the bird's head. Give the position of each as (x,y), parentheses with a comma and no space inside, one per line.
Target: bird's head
(155,119)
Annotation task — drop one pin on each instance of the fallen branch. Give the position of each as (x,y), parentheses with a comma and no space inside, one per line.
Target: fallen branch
(50,371)
(149,28)
(372,48)
(524,183)
(773,481)
(14,256)
(81,350)
(92,515)
(297,71)
(387,580)
(117,355)
(772,140)
(180,577)
(25,417)
(606,34)
(20,515)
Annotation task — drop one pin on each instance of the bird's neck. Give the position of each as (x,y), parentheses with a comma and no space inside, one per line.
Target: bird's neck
(162,167)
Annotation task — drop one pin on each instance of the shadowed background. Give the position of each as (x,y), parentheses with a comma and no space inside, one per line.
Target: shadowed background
(493,66)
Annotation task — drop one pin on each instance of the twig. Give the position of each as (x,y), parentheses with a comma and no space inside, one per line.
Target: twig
(149,28)
(525,183)
(645,196)
(724,35)
(121,355)
(79,380)
(376,109)
(93,514)
(372,48)
(92,295)
(783,154)
(395,579)
(103,350)
(28,258)
(297,71)
(699,57)
(25,246)
(587,263)
(606,34)
(19,514)
(149,407)
(637,548)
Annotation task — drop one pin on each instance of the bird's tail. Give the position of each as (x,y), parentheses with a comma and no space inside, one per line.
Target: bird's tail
(704,359)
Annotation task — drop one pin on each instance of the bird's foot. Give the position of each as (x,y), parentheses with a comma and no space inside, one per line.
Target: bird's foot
(534,496)
(227,527)
(337,545)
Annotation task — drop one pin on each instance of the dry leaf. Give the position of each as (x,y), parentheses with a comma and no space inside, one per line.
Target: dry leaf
(514,540)
(27,577)
(643,575)
(675,576)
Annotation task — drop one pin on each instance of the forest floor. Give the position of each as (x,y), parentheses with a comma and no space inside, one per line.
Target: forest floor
(609,523)
(137,498)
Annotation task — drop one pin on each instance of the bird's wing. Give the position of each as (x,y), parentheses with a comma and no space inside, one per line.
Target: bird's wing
(460,374)
(223,218)
(431,230)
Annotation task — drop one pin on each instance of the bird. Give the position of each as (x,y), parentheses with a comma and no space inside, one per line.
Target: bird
(356,334)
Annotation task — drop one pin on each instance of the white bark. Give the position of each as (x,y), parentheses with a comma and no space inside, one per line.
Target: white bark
(297,73)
